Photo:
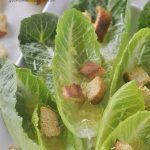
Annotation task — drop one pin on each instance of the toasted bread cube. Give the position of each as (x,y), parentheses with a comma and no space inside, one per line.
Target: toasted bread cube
(73,92)
(146,93)
(139,75)
(102,22)
(91,70)
(122,146)
(49,122)
(3,52)
(95,90)
(3,25)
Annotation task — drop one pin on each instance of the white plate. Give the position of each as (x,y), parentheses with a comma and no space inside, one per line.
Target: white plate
(57,7)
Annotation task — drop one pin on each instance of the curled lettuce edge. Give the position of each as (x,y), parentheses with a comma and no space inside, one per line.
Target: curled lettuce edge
(134,131)
(122,105)
(7,96)
(128,56)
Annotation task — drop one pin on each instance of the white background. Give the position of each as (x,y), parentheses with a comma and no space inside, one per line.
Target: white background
(15,11)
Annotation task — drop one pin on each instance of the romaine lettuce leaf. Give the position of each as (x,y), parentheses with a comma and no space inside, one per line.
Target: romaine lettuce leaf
(144,20)
(20,95)
(30,92)
(137,53)
(118,33)
(134,131)
(38,28)
(8,101)
(37,35)
(122,104)
(76,43)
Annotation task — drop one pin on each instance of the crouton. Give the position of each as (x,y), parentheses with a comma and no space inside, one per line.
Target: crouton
(73,92)
(3,52)
(122,146)
(92,70)
(95,90)
(139,75)
(102,22)
(146,93)
(87,14)
(3,25)
(49,122)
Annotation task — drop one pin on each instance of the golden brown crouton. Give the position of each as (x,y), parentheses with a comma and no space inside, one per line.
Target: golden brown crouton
(139,75)
(102,22)
(3,25)
(73,92)
(95,90)
(146,94)
(49,122)
(92,70)
(87,14)
(3,52)
(122,146)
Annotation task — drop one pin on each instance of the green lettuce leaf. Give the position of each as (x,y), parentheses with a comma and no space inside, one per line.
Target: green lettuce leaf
(37,56)
(134,131)
(33,94)
(137,53)
(118,33)
(8,101)
(122,104)
(76,44)
(38,28)
(21,95)
(37,35)
(144,20)
(30,92)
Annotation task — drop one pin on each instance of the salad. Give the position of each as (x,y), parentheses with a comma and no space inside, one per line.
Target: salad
(85,84)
